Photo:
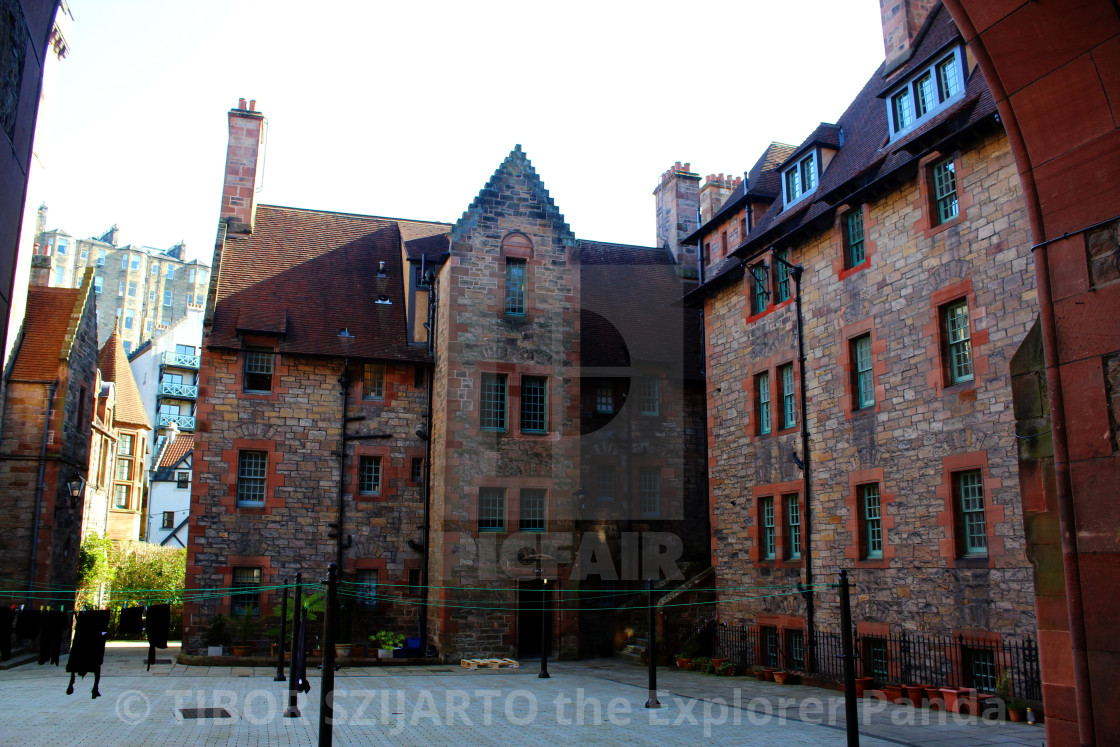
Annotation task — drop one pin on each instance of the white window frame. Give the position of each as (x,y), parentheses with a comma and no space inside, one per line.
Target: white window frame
(793,178)
(911,88)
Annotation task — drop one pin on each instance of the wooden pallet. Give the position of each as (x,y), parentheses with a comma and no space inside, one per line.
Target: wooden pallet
(490,663)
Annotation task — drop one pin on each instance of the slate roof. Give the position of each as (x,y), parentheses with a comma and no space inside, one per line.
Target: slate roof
(867,156)
(113,363)
(47,332)
(304,275)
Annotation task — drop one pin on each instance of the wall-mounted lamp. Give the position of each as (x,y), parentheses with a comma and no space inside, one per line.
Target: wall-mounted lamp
(75,485)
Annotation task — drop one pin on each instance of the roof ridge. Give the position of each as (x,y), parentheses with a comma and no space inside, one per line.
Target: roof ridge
(355,215)
(76,314)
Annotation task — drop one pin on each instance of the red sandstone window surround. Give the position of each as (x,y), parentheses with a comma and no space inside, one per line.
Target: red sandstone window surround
(970,511)
(947,348)
(516,253)
(869,516)
(861,360)
(258,501)
(776,535)
(944,201)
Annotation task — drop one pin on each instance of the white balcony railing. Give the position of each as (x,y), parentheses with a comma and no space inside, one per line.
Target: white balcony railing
(185,422)
(181,360)
(182,391)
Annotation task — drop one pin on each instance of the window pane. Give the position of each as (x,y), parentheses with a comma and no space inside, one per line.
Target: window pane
(789,405)
(649,403)
(808,168)
(793,525)
(854,223)
(125,446)
(760,291)
(604,397)
(258,371)
(793,185)
(923,95)
(604,482)
(865,388)
(251,471)
(650,490)
(948,78)
(493,402)
(515,286)
(120,496)
(872,521)
(532,509)
(417,469)
(124,469)
(533,404)
(781,273)
(491,509)
(766,516)
(970,492)
(369,474)
(945,190)
(763,382)
(373,381)
(246,597)
(367,587)
(960,344)
(901,107)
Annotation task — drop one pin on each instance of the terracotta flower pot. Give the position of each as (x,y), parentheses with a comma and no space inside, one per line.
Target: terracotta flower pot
(934,697)
(916,694)
(242,650)
(683,663)
(863,684)
(768,674)
(893,693)
(717,661)
(1016,714)
(781,677)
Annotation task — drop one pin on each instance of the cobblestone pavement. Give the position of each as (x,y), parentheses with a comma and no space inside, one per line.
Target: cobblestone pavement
(600,702)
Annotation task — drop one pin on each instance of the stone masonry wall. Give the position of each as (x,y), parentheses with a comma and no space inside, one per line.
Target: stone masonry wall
(917,433)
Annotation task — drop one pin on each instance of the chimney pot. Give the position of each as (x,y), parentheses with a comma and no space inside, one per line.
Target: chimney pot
(241,103)
(688,167)
(253,105)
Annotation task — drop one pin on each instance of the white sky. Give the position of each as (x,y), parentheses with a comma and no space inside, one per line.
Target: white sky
(405,109)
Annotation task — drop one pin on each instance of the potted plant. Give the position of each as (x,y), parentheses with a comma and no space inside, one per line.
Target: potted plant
(386,641)
(725,669)
(246,623)
(703,665)
(781,677)
(1016,709)
(217,635)
(683,661)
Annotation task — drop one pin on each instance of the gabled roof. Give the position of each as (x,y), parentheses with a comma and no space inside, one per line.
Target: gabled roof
(538,205)
(48,330)
(302,276)
(827,135)
(429,248)
(177,450)
(113,362)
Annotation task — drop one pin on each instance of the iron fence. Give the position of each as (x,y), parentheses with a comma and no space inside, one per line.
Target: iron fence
(961,661)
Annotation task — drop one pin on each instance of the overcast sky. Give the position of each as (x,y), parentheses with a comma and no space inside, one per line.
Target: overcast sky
(405,109)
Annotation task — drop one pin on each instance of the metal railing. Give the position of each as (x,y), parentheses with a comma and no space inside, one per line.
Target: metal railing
(181,360)
(903,658)
(185,391)
(185,422)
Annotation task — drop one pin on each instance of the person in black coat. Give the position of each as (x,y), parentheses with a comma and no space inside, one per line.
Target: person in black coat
(87,652)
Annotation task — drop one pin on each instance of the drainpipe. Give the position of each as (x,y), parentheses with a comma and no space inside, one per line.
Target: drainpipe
(344,384)
(433,292)
(39,492)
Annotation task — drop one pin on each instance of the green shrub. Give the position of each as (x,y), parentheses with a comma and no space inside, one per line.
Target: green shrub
(703,664)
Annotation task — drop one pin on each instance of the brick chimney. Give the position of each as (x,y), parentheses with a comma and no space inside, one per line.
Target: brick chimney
(239,191)
(901,21)
(717,188)
(40,271)
(677,199)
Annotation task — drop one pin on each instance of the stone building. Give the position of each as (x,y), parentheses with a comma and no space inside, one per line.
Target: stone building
(541,437)
(44,446)
(908,221)
(147,289)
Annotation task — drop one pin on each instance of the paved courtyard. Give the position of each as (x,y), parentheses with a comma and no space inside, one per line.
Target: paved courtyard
(599,702)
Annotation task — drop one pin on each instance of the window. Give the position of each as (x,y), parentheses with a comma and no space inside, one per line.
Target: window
(781,275)
(491,509)
(168,520)
(871,520)
(604,482)
(120,289)
(148,326)
(801,178)
(190,275)
(793,526)
(60,276)
(649,490)
(129,318)
(766,522)
(789,404)
(863,379)
(184,349)
(723,243)
(100,257)
(60,247)
(155,268)
(604,397)
(534,414)
(532,509)
(128,345)
(151,296)
(515,286)
(492,415)
(649,401)
(120,496)
(125,445)
(927,93)
(98,283)
(190,299)
(421,277)
(369,475)
(945,190)
(170,272)
(251,470)
(182,479)
(980,663)
(875,653)
(84,254)
(762,393)
(124,261)
(759,291)
(419,377)
(969,489)
(246,596)
(795,649)
(168,296)
(958,343)
(366,592)
(769,636)
(171,378)
(134,261)
(124,469)
(258,371)
(373,381)
(416,474)
(854,249)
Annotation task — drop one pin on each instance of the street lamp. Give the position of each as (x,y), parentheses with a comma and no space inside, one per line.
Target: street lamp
(75,485)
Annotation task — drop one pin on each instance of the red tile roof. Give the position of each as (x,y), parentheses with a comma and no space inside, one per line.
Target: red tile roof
(52,315)
(179,448)
(304,275)
(113,362)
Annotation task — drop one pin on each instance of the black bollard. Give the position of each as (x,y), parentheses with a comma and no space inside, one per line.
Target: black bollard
(283,623)
(651,652)
(544,675)
(848,655)
(292,711)
(326,696)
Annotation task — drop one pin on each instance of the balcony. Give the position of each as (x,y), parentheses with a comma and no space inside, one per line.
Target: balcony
(185,422)
(180,391)
(179,360)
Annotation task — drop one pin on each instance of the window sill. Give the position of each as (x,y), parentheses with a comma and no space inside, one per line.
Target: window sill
(972,561)
(848,271)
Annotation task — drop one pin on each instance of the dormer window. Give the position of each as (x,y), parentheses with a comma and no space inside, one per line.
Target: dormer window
(801,178)
(926,94)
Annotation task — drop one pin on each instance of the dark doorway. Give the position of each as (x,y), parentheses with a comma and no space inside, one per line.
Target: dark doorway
(530,599)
